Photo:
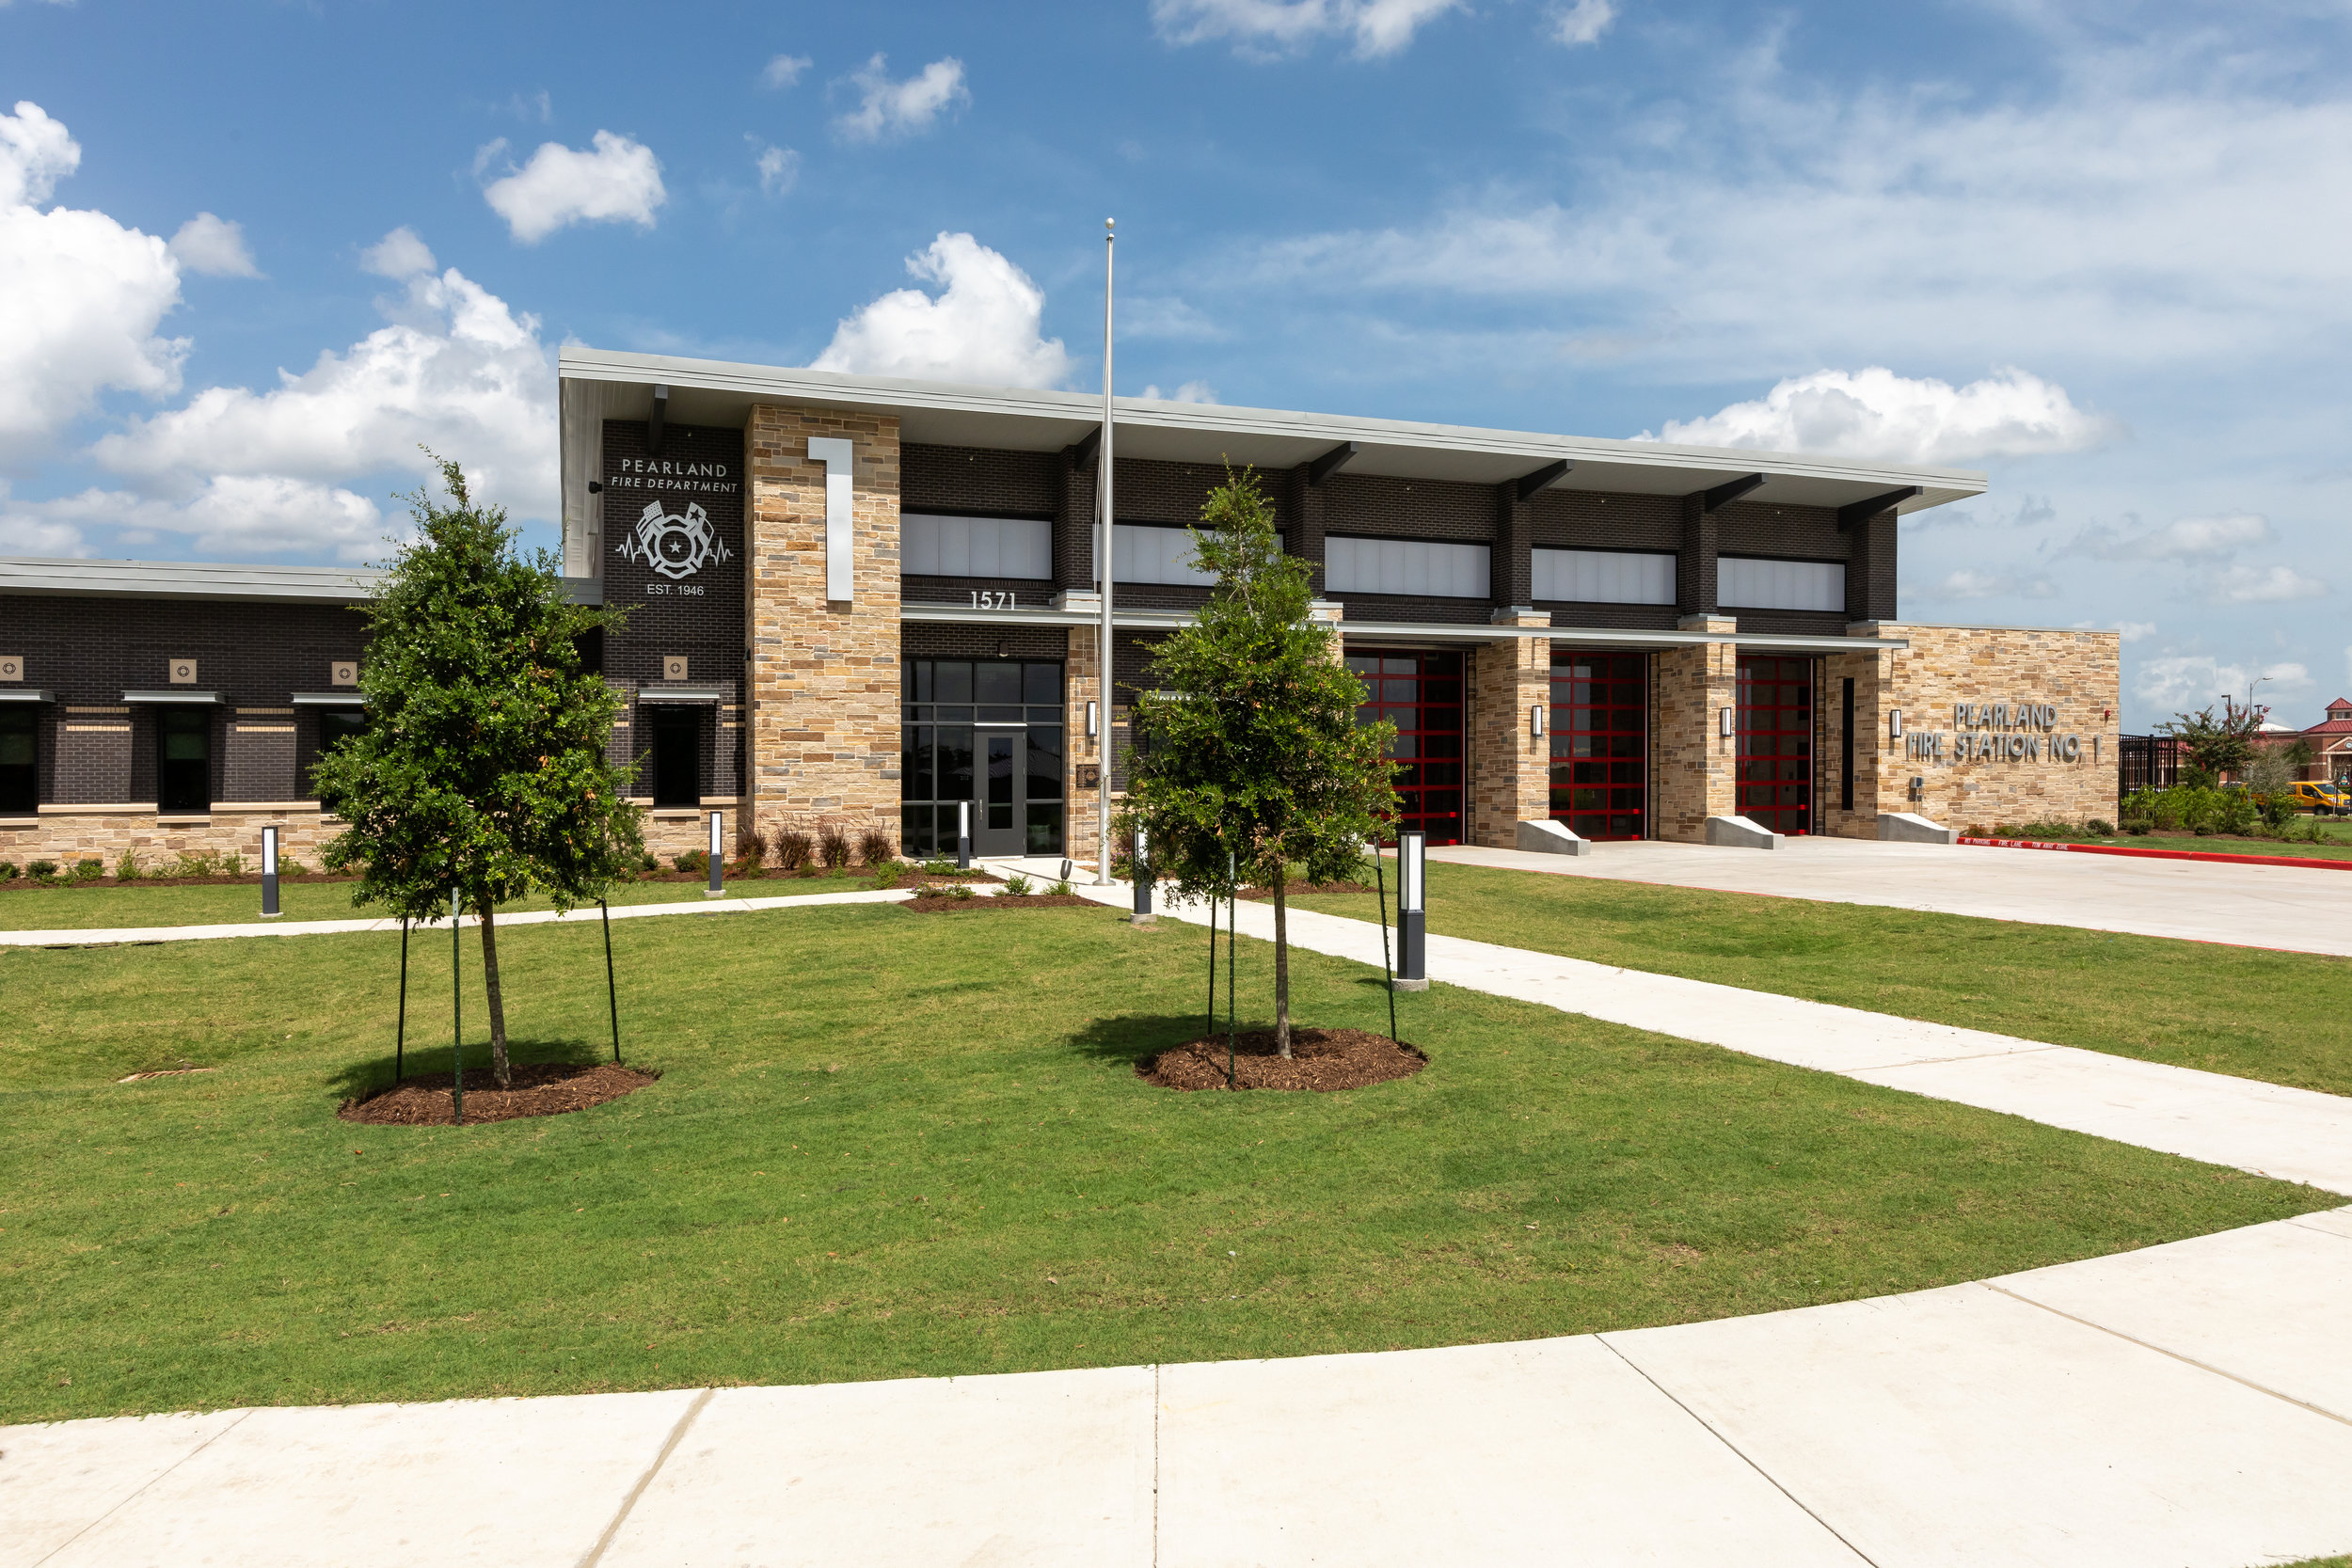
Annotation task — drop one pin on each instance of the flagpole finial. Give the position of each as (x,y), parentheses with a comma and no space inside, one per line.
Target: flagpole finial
(1110,222)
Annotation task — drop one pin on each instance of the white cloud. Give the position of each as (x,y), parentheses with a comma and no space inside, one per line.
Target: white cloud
(398,255)
(84,295)
(618,182)
(457,369)
(983,327)
(2187,538)
(1582,21)
(1191,391)
(1164,316)
(782,70)
(1968,583)
(901,108)
(2118,223)
(1263,29)
(2266,585)
(2133,631)
(213,247)
(1874,413)
(228,515)
(2183,683)
(779,167)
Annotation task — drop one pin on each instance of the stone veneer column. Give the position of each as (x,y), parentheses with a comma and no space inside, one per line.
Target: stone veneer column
(823,700)
(1694,767)
(1872,775)
(1082,808)
(1511,768)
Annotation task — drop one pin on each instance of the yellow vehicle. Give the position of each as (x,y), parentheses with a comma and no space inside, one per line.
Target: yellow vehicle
(2321,800)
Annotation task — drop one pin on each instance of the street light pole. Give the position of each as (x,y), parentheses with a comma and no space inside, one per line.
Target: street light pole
(1103,564)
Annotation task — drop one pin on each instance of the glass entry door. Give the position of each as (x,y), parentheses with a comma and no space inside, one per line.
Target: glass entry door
(999,818)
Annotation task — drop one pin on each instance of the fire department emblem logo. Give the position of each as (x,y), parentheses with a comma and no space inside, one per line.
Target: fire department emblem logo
(676,545)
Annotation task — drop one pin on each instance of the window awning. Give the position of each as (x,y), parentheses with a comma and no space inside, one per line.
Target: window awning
(174,698)
(329,699)
(658,693)
(25,694)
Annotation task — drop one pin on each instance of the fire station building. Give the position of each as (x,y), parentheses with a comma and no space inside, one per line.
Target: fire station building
(870,601)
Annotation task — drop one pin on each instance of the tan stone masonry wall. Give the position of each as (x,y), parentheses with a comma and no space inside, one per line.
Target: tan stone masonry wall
(1692,764)
(71,833)
(2077,673)
(1510,770)
(824,676)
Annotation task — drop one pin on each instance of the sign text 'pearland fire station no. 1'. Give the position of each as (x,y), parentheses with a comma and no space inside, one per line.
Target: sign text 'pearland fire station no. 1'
(1996,732)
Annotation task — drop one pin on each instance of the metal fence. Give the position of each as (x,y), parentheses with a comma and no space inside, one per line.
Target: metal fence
(2147,762)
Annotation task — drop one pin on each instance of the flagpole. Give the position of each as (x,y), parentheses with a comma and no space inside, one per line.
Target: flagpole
(1102,489)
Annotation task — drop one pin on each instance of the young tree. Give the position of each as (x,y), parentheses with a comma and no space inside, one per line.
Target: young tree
(481,768)
(1256,751)
(2222,745)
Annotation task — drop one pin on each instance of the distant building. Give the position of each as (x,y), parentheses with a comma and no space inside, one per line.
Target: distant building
(2331,744)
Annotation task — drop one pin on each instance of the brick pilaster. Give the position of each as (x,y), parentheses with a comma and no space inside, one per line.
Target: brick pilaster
(1510,774)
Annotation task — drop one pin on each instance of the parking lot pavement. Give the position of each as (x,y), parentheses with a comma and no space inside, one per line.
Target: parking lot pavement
(2249,906)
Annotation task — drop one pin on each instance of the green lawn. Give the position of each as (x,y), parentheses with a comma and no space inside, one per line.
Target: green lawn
(2285,1018)
(2337,847)
(888,1144)
(23,907)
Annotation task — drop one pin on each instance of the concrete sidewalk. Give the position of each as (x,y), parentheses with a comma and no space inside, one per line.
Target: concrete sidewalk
(2186,1406)
(110,936)
(2293,1134)
(2282,907)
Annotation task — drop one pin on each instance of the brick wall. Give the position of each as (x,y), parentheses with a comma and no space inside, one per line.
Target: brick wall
(825,675)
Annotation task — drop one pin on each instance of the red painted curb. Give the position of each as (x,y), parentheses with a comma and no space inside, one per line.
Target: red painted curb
(2160,854)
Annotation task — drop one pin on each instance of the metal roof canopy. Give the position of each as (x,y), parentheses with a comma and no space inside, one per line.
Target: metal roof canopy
(1411,634)
(185,580)
(25,694)
(597,384)
(329,699)
(173,699)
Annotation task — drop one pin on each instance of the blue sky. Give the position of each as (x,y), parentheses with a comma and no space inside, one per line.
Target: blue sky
(2099,250)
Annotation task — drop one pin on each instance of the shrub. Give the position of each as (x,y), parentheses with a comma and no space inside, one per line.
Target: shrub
(833,843)
(127,866)
(2099,827)
(749,850)
(939,865)
(1017,885)
(961,890)
(7,871)
(874,846)
(1060,889)
(887,875)
(791,848)
(694,859)
(89,870)
(649,862)
(43,872)
(232,864)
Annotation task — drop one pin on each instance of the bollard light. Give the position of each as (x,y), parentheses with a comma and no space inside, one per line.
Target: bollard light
(1140,871)
(963,836)
(269,873)
(1412,865)
(718,856)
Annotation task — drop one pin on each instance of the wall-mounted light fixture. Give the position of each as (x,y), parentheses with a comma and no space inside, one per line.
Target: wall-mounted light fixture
(1727,722)
(1536,721)
(1894,724)
(1091,720)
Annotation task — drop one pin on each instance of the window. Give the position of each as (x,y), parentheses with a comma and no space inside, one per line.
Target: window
(1603,577)
(1743,582)
(183,760)
(337,727)
(938,546)
(1415,567)
(1599,740)
(20,758)
(987,732)
(1163,555)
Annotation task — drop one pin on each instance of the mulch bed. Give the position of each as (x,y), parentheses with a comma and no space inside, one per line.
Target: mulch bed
(1321,1060)
(541,1089)
(1300,889)
(935,903)
(252,879)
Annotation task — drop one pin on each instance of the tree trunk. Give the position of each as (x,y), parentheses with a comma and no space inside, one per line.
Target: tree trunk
(498,1006)
(1281,963)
